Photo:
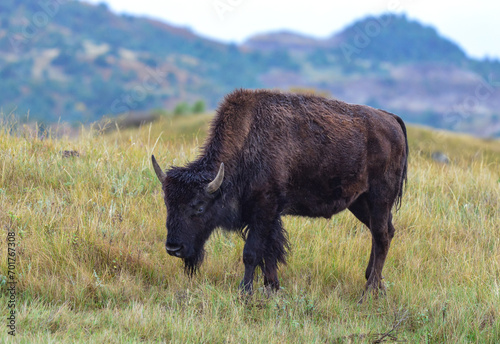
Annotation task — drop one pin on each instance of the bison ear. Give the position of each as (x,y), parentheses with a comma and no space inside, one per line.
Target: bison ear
(159,173)
(216,183)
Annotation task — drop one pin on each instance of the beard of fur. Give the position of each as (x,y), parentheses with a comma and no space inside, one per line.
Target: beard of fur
(192,264)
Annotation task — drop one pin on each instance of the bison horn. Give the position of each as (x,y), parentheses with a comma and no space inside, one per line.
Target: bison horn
(159,173)
(216,183)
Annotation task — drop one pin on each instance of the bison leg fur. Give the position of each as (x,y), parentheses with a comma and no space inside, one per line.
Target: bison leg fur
(252,256)
(265,246)
(382,233)
(361,210)
(271,281)
(377,217)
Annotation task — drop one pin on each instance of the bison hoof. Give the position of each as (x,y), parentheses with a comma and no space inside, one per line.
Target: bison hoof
(269,291)
(246,288)
(273,285)
(374,290)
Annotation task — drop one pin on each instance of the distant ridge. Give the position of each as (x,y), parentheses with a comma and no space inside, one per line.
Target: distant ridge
(77,62)
(390,38)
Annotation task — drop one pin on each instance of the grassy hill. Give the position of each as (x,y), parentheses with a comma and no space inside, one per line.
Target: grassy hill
(85,62)
(91,264)
(75,62)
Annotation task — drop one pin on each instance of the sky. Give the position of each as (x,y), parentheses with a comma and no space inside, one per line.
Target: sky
(473,25)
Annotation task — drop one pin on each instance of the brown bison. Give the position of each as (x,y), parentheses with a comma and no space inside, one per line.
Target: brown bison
(270,154)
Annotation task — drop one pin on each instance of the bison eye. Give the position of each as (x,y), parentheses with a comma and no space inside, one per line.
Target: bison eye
(198,208)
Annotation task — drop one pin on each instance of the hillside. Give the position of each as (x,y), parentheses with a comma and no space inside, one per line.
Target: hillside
(394,63)
(91,265)
(76,62)
(87,62)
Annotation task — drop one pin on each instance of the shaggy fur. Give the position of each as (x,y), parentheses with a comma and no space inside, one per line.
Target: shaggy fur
(287,154)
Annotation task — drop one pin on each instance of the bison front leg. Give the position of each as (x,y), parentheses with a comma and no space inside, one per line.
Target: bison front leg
(271,280)
(276,250)
(252,256)
(265,246)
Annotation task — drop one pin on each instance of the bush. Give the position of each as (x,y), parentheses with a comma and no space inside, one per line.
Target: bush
(199,107)
(182,109)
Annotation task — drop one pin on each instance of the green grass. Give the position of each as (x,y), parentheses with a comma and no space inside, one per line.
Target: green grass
(91,265)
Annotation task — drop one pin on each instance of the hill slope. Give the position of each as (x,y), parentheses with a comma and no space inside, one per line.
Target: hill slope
(397,64)
(86,62)
(78,62)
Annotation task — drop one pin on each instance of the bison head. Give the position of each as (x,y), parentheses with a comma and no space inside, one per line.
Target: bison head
(191,199)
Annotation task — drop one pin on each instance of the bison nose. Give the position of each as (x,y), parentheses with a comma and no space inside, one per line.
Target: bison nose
(174,249)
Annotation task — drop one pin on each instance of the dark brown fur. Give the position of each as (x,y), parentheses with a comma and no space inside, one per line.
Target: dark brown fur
(287,154)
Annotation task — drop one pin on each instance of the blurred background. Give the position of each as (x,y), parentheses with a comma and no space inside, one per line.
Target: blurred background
(434,64)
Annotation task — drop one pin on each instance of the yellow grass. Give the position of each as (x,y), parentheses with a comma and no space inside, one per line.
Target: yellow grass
(91,264)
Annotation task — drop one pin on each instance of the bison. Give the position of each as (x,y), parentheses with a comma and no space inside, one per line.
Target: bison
(270,154)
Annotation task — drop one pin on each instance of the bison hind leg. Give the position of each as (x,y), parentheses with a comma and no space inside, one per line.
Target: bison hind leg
(382,232)
(360,209)
(378,218)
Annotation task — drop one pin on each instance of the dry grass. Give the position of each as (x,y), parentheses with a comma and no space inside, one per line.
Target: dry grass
(91,264)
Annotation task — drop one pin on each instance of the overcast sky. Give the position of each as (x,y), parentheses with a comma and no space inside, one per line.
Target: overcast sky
(474,25)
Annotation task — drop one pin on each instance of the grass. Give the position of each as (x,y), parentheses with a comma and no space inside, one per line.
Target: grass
(91,265)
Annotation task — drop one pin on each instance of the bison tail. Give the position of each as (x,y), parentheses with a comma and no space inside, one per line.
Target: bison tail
(405,166)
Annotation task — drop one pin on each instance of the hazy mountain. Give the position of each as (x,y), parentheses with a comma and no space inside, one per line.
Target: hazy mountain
(284,40)
(78,62)
(396,64)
